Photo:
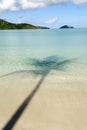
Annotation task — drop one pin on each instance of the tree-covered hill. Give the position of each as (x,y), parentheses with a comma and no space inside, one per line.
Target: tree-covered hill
(5,25)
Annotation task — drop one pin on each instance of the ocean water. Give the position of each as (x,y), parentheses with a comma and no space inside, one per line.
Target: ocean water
(23,50)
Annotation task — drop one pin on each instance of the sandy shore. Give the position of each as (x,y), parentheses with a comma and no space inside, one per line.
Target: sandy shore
(59,104)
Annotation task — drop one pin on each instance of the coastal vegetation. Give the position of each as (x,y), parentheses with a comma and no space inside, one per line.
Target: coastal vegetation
(5,25)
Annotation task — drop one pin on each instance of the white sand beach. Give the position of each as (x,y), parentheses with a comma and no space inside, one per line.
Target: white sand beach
(59,104)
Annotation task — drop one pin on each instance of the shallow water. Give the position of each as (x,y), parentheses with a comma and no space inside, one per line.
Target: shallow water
(18,47)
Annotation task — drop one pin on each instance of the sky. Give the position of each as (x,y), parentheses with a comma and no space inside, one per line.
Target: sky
(49,13)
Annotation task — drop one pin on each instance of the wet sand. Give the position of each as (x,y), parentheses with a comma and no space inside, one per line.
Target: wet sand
(59,104)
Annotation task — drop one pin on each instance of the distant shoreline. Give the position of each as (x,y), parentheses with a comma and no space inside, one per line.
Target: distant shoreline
(5,25)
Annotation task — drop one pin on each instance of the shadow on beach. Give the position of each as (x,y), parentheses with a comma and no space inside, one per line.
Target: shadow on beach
(43,68)
(10,124)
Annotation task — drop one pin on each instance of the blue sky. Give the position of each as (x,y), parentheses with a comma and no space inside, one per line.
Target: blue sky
(52,15)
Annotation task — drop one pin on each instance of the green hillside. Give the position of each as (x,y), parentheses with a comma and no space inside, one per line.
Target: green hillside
(4,25)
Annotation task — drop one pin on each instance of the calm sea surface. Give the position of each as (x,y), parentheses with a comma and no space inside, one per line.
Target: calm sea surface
(18,47)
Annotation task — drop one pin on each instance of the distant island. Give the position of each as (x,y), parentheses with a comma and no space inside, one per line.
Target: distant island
(66,27)
(5,25)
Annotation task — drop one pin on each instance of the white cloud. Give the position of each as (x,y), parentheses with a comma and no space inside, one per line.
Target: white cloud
(51,21)
(7,5)
(32,4)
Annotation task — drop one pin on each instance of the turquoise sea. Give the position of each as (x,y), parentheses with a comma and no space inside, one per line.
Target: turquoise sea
(19,47)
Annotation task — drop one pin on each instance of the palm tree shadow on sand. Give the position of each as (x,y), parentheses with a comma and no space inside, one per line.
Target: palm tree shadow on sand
(43,68)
